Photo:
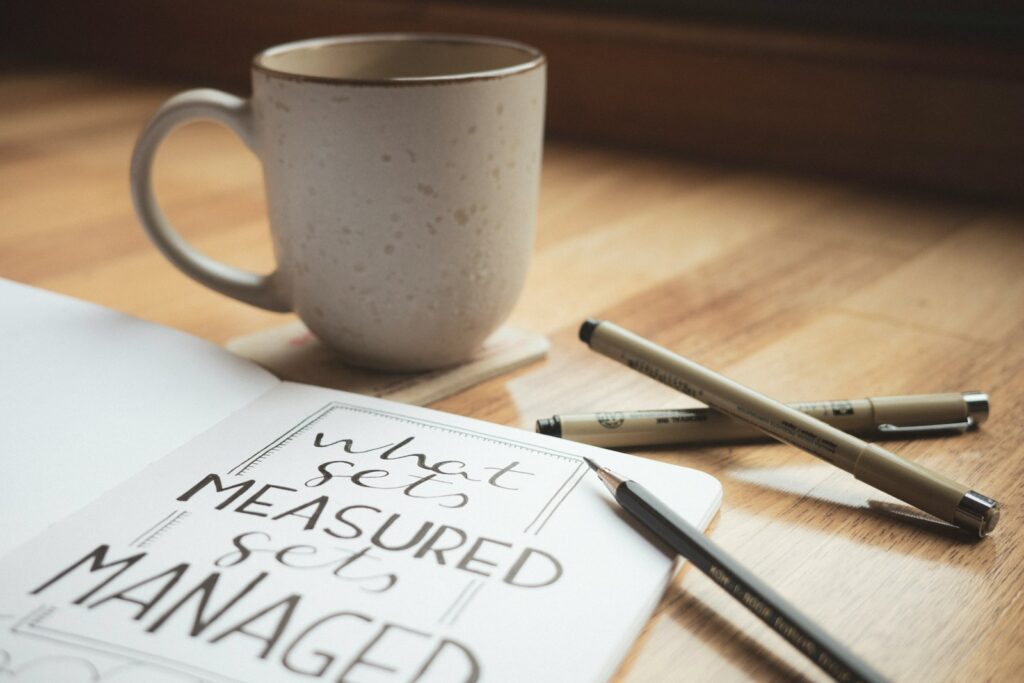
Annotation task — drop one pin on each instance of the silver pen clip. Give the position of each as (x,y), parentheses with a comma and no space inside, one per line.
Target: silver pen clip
(911,430)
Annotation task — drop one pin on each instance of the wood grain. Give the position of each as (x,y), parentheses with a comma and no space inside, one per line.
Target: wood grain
(800,288)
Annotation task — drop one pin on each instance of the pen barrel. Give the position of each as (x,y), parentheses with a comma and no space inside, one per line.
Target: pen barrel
(884,416)
(654,427)
(856,416)
(685,539)
(732,398)
(692,426)
(910,482)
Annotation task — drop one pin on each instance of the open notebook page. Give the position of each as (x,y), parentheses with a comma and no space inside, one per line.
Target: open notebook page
(90,396)
(319,535)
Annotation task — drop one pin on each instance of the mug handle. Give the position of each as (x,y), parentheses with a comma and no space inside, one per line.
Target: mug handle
(264,291)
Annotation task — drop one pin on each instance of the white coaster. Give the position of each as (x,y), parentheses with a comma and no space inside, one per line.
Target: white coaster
(292,353)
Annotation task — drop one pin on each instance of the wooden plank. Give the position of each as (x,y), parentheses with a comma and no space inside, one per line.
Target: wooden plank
(575,278)
(945,289)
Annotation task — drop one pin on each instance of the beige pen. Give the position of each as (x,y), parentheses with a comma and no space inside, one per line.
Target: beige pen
(880,417)
(908,481)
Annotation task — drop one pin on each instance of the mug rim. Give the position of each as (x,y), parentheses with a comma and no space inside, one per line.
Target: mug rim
(533,58)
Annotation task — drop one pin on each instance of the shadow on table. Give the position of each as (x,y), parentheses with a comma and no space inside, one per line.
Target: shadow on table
(806,496)
(820,507)
(731,643)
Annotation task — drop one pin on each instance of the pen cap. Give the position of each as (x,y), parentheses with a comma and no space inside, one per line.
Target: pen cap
(977,406)
(933,409)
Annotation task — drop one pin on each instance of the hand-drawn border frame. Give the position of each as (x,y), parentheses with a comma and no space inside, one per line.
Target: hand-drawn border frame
(537,523)
(31,625)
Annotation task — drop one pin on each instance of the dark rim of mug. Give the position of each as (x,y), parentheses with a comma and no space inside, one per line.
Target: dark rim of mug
(533,58)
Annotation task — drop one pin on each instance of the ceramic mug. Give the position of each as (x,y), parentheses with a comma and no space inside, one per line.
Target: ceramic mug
(401,174)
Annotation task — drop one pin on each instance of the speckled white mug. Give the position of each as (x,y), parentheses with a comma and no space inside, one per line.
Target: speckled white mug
(401,174)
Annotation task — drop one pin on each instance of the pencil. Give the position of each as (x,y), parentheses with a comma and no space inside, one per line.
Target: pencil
(826,652)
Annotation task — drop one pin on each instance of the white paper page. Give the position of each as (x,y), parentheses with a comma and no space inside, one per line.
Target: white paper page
(364,541)
(89,396)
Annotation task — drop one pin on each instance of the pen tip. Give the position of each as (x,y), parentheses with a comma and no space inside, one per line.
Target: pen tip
(587,329)
(551,426)
(593,465)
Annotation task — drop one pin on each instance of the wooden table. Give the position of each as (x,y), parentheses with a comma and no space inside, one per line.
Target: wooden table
(801,288)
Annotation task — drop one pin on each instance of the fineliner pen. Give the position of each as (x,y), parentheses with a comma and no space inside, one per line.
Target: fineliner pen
(880,417)
(908,481)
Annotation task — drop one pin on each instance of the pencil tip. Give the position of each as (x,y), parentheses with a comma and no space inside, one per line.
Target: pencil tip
(593,465)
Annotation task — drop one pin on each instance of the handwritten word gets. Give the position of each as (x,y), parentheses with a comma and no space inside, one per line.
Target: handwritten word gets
(347,565)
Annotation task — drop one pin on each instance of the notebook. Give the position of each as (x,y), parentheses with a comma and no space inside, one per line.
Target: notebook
(173,513)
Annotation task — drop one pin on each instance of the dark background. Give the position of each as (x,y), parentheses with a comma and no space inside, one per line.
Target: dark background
(908,92)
